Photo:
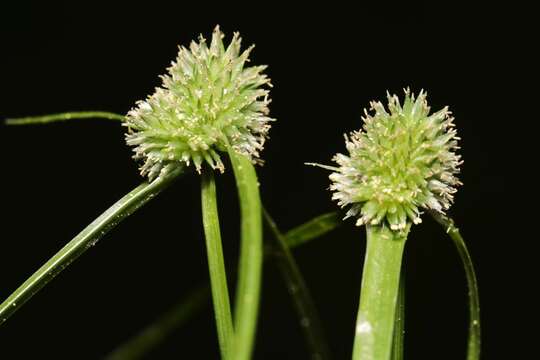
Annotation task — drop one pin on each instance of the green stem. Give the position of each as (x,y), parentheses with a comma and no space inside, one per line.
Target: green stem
(251,256)
(30,120)
(302,299)
(147,339)
(474,342)
(399,325)
(84,241)
(156,332)
(378,294)
(216,263)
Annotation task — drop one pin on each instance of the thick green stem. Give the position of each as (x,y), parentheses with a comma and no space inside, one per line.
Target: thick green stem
(251,256)
(84,241)
(300,294)
(31,120)
(474,342)
(150,337)
(216,263)
(378,295)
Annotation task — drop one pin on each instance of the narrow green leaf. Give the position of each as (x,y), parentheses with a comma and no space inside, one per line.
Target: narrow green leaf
(303,302)
(77,115)
(251,257)
(474,341)
(150,337)
(399,324)
(84,241)
(216,263)
(379,292)
(314,228)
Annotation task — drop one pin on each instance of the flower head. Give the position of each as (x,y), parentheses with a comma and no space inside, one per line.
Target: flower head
(402,160)
(208,100)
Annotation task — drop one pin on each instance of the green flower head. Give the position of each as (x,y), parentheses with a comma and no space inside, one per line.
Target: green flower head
(402,160)
(208,100)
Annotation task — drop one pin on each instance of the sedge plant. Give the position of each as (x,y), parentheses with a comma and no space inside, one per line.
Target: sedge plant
(401,162)
(210,103)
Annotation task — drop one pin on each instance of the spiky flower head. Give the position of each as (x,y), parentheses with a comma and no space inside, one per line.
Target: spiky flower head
(401,161)
(208,100)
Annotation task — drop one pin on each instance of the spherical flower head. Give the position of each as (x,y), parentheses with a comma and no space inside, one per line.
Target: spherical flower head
(209,100)
(401,161)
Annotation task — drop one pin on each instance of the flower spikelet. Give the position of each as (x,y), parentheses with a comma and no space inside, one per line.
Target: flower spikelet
(209,99)
(402,160)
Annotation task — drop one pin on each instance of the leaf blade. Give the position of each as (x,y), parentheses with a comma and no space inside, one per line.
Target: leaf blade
(76,115)
(312,229)
(84,241)
(298,290)
(474,341)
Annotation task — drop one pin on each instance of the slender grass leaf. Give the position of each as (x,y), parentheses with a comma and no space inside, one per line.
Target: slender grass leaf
(150,337)
(84,241)
(474,341)
(303,302)
(399,324)
(78,115)
(312,229)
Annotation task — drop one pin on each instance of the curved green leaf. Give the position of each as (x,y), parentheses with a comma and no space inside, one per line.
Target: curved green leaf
(474,341)
(84,241)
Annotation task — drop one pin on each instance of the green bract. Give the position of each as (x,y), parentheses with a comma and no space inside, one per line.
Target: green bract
(402,160)
(207,100)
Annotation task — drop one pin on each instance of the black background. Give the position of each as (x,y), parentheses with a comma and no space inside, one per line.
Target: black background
(327,61)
